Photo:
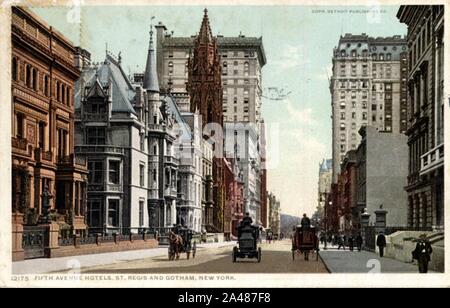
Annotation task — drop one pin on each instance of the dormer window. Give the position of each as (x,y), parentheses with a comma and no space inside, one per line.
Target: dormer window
(96,107)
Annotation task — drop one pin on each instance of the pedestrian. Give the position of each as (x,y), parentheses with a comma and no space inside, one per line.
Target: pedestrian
(422,253)
(359,241)
(341,242)
(330,238)
(381,243)
(350,242)
(336,240)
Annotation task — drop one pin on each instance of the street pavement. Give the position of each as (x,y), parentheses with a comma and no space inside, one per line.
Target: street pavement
(346,261)
(276,258)
(44,265)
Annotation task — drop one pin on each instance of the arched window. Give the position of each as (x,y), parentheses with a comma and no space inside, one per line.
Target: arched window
(34,79)
(28,76)
(14,69)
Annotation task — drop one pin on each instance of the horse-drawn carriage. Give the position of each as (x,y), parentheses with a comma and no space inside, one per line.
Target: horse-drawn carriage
(248,236)
(180,241)
(305,241)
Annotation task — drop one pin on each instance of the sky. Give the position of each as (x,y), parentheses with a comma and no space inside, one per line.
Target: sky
(298,42)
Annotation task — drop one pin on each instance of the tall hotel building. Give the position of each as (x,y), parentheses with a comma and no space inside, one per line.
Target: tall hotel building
(368,87)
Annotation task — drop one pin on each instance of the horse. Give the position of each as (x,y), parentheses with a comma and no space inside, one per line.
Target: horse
(175,246)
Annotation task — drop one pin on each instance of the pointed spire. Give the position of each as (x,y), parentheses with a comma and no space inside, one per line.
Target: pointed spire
(205,34)
(150,75)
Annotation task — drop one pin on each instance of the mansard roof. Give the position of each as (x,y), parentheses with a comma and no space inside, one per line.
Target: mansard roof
(109,73)
(239,42)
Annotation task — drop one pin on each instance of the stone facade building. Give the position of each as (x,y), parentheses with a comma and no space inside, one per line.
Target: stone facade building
(367,89)
(190,174)
(127,131)
(426,99)
(274,214)
(324,185)
(43,76)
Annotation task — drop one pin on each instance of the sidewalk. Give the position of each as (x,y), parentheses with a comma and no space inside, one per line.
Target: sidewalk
(345,261)
(45,265)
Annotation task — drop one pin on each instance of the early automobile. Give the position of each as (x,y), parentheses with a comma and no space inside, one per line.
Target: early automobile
(180,241)
(248,236)
(305,241)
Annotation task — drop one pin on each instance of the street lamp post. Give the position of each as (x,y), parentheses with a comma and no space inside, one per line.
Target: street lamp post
(326,224)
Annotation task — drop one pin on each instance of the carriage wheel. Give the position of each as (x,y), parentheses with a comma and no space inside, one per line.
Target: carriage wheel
(194,250)
(235,251)
(259,254)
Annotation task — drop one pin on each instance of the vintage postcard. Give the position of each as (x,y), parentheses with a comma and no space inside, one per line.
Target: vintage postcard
(217,144)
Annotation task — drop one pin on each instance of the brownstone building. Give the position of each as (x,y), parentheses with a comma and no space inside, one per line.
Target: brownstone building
(205,90)
(44,166)
(347,211)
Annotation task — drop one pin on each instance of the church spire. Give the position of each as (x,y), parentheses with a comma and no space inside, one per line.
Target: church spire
(205,34)
(150,76)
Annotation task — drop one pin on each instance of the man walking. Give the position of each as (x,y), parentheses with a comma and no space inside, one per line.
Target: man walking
(350,242)
(381,243)
(422,253)
(341,242)
(359,241)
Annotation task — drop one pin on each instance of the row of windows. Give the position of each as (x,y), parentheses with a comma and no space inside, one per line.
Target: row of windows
(353,94)
(353,114)
(235,101)
(236,63)
(363,105)
(375,56)
(235,118)
(422,41)
(235,91)
(235,81)
(97,172)
(354,84)
(247,54)
(343,116)
(353,125)
(95,215)
(245,109)
(62,91)
(343,149)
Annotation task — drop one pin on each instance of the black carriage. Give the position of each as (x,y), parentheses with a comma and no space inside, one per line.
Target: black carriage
(186,246)
(304,241)
(248,236)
